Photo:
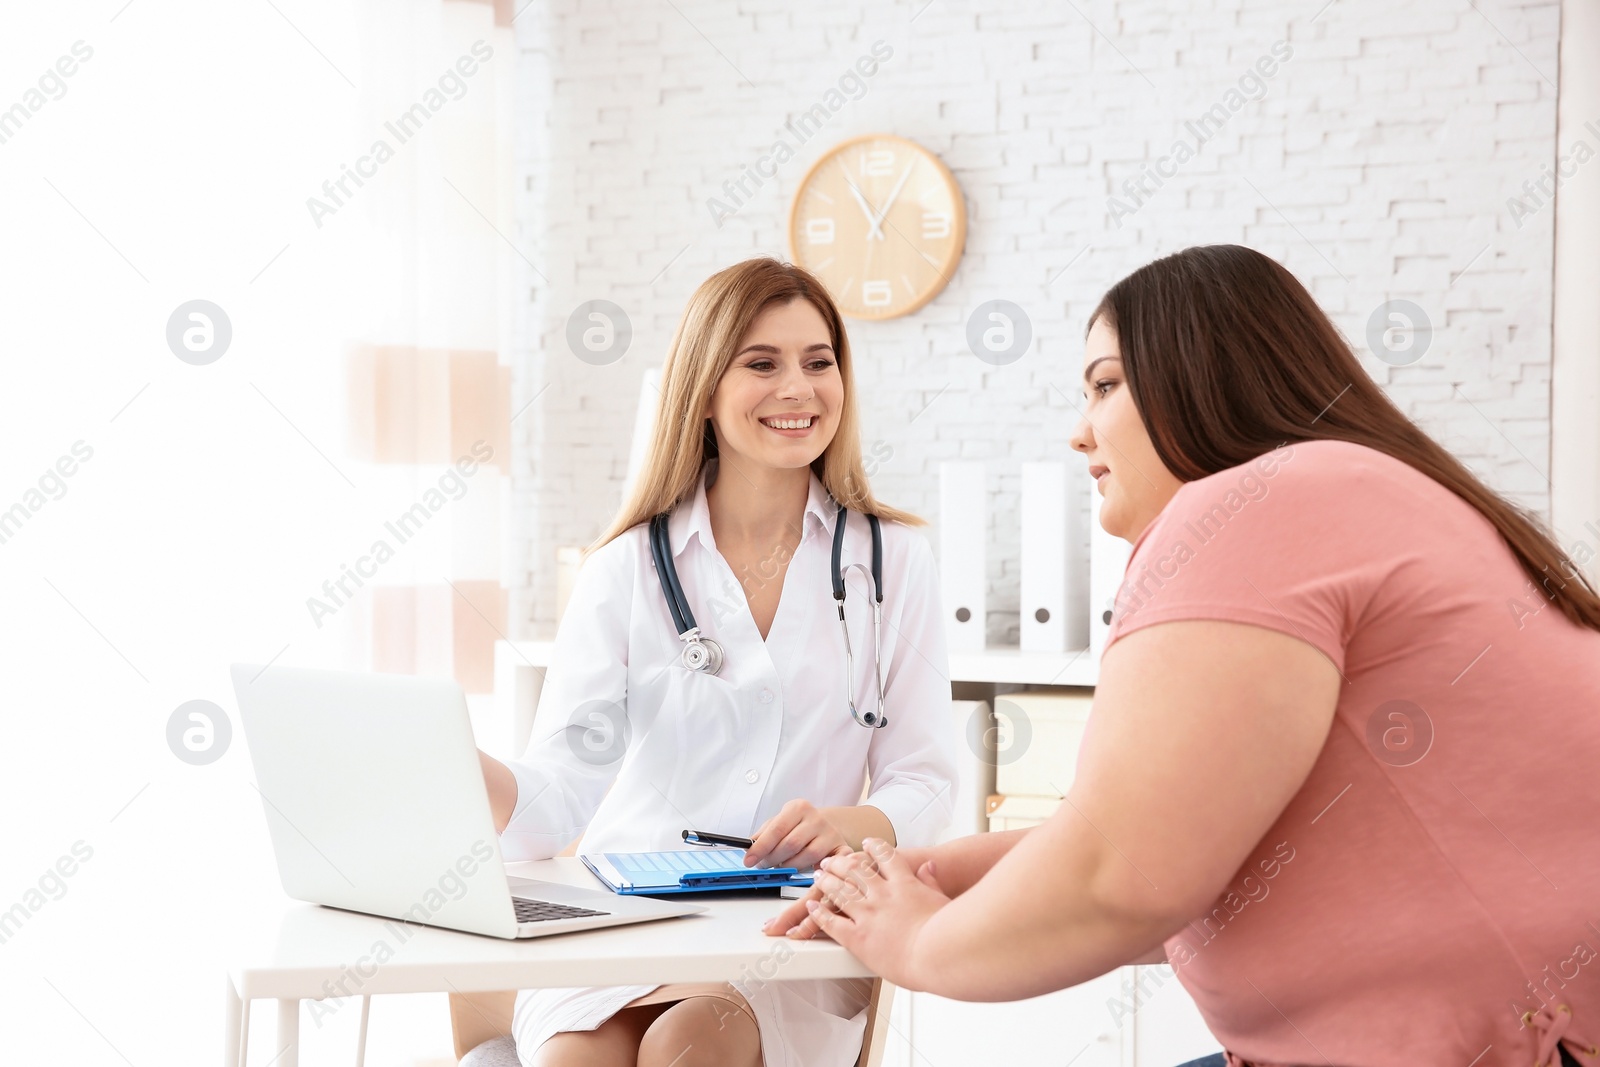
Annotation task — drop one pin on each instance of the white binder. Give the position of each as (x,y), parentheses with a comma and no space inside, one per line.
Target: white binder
(1108,562)
(963,536)
(1044,557)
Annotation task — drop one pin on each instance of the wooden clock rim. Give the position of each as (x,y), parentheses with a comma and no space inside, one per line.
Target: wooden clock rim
(960,221)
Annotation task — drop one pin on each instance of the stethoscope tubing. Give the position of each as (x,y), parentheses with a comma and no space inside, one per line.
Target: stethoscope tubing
(661,552)
(704,654)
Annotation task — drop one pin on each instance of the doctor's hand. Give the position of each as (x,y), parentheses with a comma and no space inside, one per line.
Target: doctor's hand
(875,904)
(798,836)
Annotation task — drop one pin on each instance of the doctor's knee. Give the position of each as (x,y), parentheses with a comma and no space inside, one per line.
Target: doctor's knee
(702,1031)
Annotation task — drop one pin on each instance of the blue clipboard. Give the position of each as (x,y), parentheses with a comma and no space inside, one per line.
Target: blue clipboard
(687,871)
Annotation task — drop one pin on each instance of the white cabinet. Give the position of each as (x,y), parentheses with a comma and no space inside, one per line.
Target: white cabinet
(1167,1027)
(1069,1026)
(1132,1017)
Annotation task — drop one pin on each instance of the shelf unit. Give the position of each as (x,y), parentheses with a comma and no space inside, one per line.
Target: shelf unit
(1014,667)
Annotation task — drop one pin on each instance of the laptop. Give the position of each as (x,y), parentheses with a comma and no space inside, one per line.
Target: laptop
(375,802)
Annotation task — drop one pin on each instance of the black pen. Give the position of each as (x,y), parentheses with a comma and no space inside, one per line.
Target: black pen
(703,837)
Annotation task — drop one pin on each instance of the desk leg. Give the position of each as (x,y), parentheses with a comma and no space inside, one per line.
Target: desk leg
(288,1033)
(232,1027)
(366,1006)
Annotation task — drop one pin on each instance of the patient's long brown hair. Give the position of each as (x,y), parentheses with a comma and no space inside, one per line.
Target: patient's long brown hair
(1228,356)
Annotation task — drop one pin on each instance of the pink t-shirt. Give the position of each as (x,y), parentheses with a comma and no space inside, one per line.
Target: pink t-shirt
(1438,874)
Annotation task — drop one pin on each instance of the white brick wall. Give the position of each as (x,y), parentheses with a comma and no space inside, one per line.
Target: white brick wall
(1381,157)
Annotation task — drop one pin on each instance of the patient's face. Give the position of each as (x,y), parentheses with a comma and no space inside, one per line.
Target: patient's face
(1133,482)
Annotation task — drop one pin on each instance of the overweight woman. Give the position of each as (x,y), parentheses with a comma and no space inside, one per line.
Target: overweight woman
(1343,770)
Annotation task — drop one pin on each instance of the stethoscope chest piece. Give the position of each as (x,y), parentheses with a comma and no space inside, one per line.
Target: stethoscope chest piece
(701,654)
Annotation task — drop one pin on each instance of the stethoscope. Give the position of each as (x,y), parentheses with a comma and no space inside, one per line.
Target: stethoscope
(704,655)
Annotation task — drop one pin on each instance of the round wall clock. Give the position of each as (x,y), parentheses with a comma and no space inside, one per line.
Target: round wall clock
(882,222)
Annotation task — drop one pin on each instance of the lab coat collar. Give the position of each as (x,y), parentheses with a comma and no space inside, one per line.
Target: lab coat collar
(695,520)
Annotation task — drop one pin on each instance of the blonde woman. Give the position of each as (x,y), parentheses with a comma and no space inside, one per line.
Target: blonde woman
(755,450)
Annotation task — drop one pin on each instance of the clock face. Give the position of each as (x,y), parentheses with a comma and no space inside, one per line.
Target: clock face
(881,221)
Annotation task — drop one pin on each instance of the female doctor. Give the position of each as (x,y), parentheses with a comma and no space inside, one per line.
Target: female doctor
(741,710)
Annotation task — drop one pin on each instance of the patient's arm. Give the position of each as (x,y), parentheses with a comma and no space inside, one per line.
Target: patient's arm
(960,863)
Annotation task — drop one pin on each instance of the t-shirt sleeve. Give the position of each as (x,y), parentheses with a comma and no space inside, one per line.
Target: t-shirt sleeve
(1297,541)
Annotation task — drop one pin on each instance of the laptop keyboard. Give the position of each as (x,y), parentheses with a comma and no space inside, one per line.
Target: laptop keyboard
(535,911)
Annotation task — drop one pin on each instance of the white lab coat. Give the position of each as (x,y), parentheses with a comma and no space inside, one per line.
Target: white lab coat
(724,753)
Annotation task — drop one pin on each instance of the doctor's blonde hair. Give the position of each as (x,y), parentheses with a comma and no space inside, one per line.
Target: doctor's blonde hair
(716,319)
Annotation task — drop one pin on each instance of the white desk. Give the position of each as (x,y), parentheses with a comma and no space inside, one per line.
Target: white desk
(310,945)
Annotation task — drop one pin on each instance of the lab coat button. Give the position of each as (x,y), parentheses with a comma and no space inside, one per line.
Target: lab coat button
(752,777)
(766,696)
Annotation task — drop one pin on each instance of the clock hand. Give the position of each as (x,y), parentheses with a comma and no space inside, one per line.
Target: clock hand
(877,225)
(866,209)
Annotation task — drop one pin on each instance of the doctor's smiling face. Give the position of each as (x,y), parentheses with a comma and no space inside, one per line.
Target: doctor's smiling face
(777,405)
(1128,473)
